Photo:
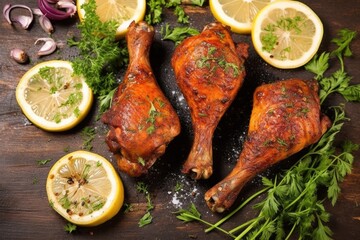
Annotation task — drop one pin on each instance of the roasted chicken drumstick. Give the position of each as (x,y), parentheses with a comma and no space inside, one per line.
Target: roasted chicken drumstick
(141,119)
(209,71)
(285,119)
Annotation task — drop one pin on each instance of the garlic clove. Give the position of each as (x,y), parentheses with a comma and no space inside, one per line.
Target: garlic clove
(6,11)
(46,24)
(48,47)
(24,20)
(37,11)
(19,55)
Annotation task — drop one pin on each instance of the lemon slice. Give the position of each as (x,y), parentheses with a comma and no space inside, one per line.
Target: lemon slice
(121,11)
(52,98)
(237,14)
(287,34)
(84,188)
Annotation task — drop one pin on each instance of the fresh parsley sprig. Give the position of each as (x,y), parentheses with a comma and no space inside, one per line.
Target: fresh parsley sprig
(177,34)
(69,227)
(339,81)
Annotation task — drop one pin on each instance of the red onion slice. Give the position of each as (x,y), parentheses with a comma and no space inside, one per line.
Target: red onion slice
(51,12)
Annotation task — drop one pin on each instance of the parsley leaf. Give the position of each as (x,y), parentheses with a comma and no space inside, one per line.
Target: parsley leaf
(318,64)
(345,36)
(339,81)
(43,161)
(188,215)
(154,11)
(146,219)
(69,227)
(177,34)
(352,93)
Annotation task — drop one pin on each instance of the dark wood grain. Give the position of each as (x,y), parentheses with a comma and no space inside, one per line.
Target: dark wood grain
(24,209)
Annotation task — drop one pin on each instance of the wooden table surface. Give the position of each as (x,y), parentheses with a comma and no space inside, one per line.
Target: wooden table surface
(24,209)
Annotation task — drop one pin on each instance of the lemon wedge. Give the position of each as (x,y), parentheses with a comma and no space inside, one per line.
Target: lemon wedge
(237,14)
(287,34)
(53,98)
(84,188)
(121,11)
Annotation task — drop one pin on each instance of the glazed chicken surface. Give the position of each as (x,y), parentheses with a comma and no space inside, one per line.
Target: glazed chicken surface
(141,120)
(209,72)
(285,119)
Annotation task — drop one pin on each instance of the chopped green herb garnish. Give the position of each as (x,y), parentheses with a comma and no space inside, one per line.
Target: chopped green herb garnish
(69,227)
(178,186)
(145,220)
(35,180)
(128,207)
(177,34)
(141,161)
(43,161)
(66,149)
(270,39)
(88,135)
(141,187)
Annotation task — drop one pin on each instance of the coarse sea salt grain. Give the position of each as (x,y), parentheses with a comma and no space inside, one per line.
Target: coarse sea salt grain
(188,192)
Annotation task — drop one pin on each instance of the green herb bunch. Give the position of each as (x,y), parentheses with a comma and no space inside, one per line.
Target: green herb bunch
(101,56)
(292,203)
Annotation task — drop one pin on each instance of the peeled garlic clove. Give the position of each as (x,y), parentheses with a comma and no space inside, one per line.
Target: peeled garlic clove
(19,55)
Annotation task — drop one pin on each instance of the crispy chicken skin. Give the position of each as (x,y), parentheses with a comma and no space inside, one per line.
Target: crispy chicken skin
(209,71)
(141,119)
(285,119)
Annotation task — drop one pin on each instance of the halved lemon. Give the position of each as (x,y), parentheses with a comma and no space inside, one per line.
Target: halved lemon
(52,98)
(84,188)
(287,34)
(121,11)
(237,14)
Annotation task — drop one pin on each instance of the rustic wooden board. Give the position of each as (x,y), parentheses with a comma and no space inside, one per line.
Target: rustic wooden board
(24,209)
